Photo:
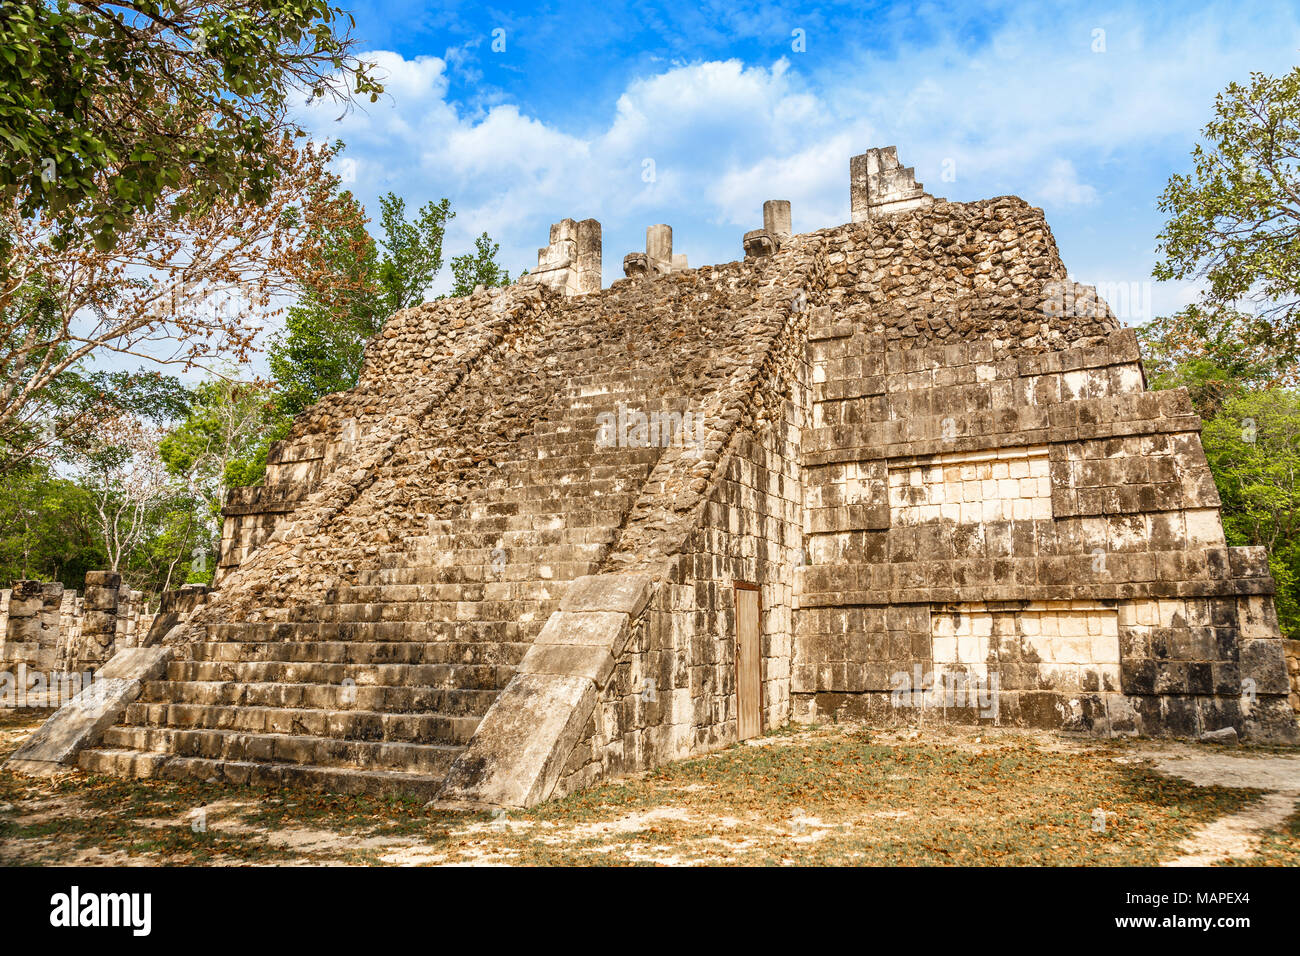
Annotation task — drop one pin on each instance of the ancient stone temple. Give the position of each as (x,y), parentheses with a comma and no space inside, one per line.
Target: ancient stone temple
(897,468)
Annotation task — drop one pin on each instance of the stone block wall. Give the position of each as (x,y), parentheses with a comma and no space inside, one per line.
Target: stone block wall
(50,630)
(1291,649)
(1008,508)
(32,626)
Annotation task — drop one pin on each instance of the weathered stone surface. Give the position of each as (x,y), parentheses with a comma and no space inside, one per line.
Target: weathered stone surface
(569,660)
(880,185)
(518,753)
(623,593)
(607,629)
(570,263)
(174,607)
(929,451)
(658,258)
(81,722)
(1224,735)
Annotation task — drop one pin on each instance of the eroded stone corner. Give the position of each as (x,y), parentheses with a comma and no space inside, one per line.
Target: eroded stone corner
(81,722)
(519,750)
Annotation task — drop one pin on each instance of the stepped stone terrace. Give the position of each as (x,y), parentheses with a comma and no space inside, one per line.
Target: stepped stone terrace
(912,470)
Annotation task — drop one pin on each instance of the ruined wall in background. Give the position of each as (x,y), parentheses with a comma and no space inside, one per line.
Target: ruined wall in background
(50,630)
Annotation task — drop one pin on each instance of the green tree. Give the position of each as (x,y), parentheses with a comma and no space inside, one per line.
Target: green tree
(175,290)
(226,425)
(1212,352)
(1253,446)
(104,107)
(47,528)
(412,252)
(478,268)
(1235,219)
(322,348)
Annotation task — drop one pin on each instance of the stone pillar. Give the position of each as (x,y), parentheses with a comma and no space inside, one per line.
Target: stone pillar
(50,617)
(571,263)
(879,185)
(658,258)
(99,623)
(4,616)
(776,230)
(69,629)
(23,630)
(126,634)
(776,219)
(589,256)
(659,243)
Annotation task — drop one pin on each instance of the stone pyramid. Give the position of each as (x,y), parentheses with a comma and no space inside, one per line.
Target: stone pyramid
(897,468)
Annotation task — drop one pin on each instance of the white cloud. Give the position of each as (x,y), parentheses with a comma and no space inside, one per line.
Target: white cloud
(723,136)
(1062,187)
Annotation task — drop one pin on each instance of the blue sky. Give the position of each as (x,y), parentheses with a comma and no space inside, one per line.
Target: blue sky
(1022,98)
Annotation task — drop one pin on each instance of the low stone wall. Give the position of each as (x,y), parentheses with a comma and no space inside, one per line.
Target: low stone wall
(46,630)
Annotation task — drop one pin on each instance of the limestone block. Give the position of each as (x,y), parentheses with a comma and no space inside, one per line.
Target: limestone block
(82,721)
(571,660)
(571,262)
(624,593)
(659,243)
(880,185)
(1263,662)
(608,629)
(103,579)
(519,749)
(776,219)
(758,243)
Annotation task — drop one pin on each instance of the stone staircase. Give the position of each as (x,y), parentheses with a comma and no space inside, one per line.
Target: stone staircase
(380,687)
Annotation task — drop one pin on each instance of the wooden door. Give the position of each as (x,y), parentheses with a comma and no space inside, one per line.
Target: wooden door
(749,662)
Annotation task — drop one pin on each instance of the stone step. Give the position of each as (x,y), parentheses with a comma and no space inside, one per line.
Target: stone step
(593,489)
(444,545)
(132,763)
(285,748)
(504,570)
(367,654)
(389,700)
(590,384)
(576,462)
(648,393)
(452,524)
(591,470)
(422,611)
(532,589)
(588,410)
(350,724)
(561,504)
(457,633)
(447,676)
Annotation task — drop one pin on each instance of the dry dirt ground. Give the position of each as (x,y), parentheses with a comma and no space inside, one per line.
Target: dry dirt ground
(833,794)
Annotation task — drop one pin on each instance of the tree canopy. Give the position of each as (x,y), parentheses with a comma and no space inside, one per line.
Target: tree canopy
(1234,220)
(106,108)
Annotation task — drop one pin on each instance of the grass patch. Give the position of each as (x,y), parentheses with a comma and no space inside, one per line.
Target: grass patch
(813,796)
